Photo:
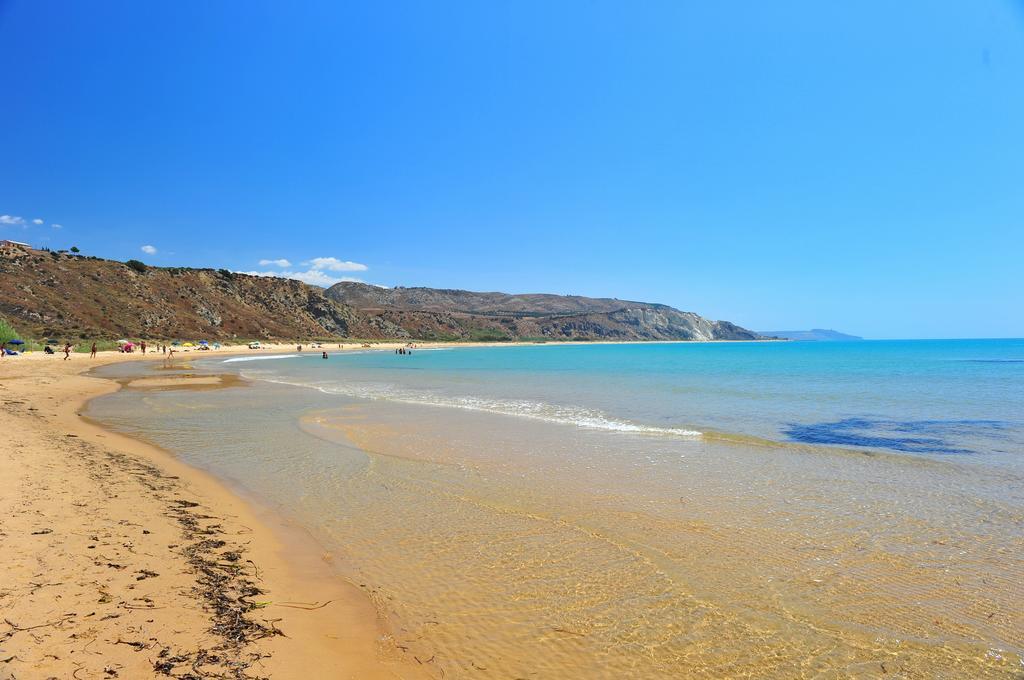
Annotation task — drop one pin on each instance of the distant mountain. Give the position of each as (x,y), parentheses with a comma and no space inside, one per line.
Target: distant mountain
(444,314)
(813,334)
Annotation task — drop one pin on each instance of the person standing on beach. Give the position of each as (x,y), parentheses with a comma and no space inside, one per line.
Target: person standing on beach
(143,346)
(3,349)
(325,355)
(67,351)
(92,352)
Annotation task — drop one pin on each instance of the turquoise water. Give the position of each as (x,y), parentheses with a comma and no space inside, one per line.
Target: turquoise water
(943,397)
(768,510)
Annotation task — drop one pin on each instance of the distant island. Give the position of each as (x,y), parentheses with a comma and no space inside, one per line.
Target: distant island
(819,334)
(66,295)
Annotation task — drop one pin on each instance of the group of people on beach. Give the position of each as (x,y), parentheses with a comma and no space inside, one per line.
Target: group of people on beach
(168,352)
(125,348)
(46,350)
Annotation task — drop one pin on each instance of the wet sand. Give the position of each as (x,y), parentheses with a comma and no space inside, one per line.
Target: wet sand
(120,561)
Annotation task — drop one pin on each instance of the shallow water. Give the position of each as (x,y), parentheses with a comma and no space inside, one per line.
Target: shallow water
(550,512)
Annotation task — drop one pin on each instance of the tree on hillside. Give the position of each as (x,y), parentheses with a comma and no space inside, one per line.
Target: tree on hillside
(75,249)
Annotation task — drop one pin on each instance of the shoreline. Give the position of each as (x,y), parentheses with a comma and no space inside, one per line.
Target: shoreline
(138,602)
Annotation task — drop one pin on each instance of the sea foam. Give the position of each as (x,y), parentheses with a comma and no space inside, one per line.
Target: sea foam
(535,410)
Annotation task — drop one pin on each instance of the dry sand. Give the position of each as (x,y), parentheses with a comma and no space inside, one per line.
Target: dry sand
(117,560)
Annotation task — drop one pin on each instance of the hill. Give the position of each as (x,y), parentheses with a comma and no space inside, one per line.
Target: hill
(445,314)
(58,295)
(819,334)
(48,294)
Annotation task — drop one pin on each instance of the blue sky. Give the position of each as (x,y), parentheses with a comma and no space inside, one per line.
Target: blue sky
(782,165)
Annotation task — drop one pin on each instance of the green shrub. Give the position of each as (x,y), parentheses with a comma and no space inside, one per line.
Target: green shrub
(137,266)
(7,331)
(488,335)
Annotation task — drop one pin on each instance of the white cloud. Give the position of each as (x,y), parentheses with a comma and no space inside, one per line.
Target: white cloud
(57,226)
(314,277)
(317,272)
(37,220)
(149,250)
(333,264)
(11,219)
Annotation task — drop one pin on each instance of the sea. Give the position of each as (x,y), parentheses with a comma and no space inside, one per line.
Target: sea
(649,510)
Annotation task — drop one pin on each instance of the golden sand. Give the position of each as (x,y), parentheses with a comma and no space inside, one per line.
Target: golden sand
(102,554)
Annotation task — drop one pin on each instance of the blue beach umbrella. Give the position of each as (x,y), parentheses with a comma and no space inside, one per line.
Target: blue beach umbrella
(15,342)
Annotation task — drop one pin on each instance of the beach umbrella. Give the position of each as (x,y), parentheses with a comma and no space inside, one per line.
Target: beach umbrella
(175,344)
(15,342)
(188,344)
(203,342)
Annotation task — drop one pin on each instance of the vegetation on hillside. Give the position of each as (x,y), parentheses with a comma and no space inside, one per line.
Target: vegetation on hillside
(7,331)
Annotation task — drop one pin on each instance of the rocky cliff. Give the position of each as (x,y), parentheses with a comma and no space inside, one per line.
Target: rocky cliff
(442,314)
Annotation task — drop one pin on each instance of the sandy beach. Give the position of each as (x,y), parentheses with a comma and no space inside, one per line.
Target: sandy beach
(120,561)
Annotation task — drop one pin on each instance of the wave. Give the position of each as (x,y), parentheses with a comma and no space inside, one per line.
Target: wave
(261,358)
(581,417)
(992,361)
